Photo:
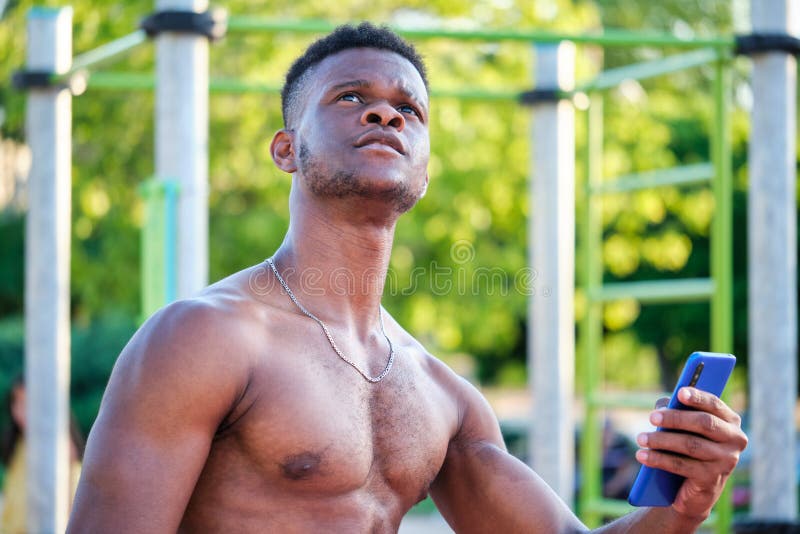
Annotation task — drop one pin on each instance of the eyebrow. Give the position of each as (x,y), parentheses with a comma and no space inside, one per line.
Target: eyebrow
(352,83)
(366,84)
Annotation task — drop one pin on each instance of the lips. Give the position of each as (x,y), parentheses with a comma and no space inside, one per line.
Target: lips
(382,138)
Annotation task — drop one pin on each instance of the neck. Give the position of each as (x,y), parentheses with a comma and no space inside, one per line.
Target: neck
(335,257)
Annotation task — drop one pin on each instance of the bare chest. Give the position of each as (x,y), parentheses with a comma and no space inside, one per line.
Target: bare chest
(324,431)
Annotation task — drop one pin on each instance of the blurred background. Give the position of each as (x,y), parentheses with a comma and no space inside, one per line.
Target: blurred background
(478,195)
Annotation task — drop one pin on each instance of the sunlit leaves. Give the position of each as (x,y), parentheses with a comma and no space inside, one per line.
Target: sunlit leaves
(629,364)
(668,251)
(621,255)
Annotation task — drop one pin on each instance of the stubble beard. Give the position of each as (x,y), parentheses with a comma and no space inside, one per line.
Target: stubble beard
(347,184)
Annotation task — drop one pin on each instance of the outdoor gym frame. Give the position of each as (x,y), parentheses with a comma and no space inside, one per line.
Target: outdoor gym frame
(179,195)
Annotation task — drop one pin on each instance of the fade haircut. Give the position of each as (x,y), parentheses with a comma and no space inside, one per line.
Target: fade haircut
(365,35)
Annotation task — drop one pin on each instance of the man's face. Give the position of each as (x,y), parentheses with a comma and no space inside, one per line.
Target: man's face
(361,129)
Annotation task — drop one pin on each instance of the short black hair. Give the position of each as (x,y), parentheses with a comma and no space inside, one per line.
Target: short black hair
(365,35)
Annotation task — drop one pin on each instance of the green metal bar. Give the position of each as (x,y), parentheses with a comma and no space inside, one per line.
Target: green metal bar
(106,52)
(650,69)
(610,507)
(268,25)
(117,80)
(171,189)
(121,81)
(158,240)
(127,80)
(137,81)
(642,401)
(134,81)
(153,245)
(722,243)
(722,224)
(618,508)
(222,85)
(607,38)
(657,291)
(592,323)
(227,85)
(680,176)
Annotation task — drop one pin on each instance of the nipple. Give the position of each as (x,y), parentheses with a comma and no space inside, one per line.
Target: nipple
(301,466)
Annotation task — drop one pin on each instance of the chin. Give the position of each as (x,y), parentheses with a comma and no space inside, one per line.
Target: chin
(397,185)
(399,195)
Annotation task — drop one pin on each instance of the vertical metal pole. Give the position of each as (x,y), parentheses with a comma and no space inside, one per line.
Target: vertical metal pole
(47,258)
(592,323)
(722,244)
(772,263)
(551,246)
(181,152)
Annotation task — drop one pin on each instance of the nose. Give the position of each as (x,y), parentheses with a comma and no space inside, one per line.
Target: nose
(385,115)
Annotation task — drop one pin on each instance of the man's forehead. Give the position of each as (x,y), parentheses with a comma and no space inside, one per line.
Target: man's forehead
(370,65)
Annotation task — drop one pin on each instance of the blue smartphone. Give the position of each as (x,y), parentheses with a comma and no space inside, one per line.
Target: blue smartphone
(709,372)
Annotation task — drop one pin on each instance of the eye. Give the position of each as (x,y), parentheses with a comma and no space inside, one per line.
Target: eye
(406,108)
(350,97)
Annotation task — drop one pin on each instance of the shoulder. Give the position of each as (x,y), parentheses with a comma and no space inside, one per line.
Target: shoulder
(219,325)
(207,344)
(179,353)
(196,332)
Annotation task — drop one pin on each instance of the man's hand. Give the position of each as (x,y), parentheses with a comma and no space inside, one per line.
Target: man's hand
(706,456)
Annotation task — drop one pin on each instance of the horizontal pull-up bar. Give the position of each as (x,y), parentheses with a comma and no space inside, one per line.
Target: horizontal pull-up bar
(76,77)
(607,38)
(605,80)
(136,81)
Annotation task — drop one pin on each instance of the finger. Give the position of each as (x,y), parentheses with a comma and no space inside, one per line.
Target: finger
(706,402)
(662,402)
(680,465)
(689,445)
(703,423)
(699,470)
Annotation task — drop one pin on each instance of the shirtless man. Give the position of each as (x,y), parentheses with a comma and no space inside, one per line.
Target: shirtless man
(236,412)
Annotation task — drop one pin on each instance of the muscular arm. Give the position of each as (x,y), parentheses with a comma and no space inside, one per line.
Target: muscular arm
(171,387)
(482,488)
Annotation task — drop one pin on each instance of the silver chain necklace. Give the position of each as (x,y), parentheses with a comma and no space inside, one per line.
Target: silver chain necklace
(328,334)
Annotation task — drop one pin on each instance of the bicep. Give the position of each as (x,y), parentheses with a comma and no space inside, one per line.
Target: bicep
(482,488)
(150,441)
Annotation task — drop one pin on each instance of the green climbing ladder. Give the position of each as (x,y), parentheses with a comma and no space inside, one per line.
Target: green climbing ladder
(717,288)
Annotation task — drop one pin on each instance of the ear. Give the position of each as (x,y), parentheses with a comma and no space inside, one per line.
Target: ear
(282,150)
(425,187)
